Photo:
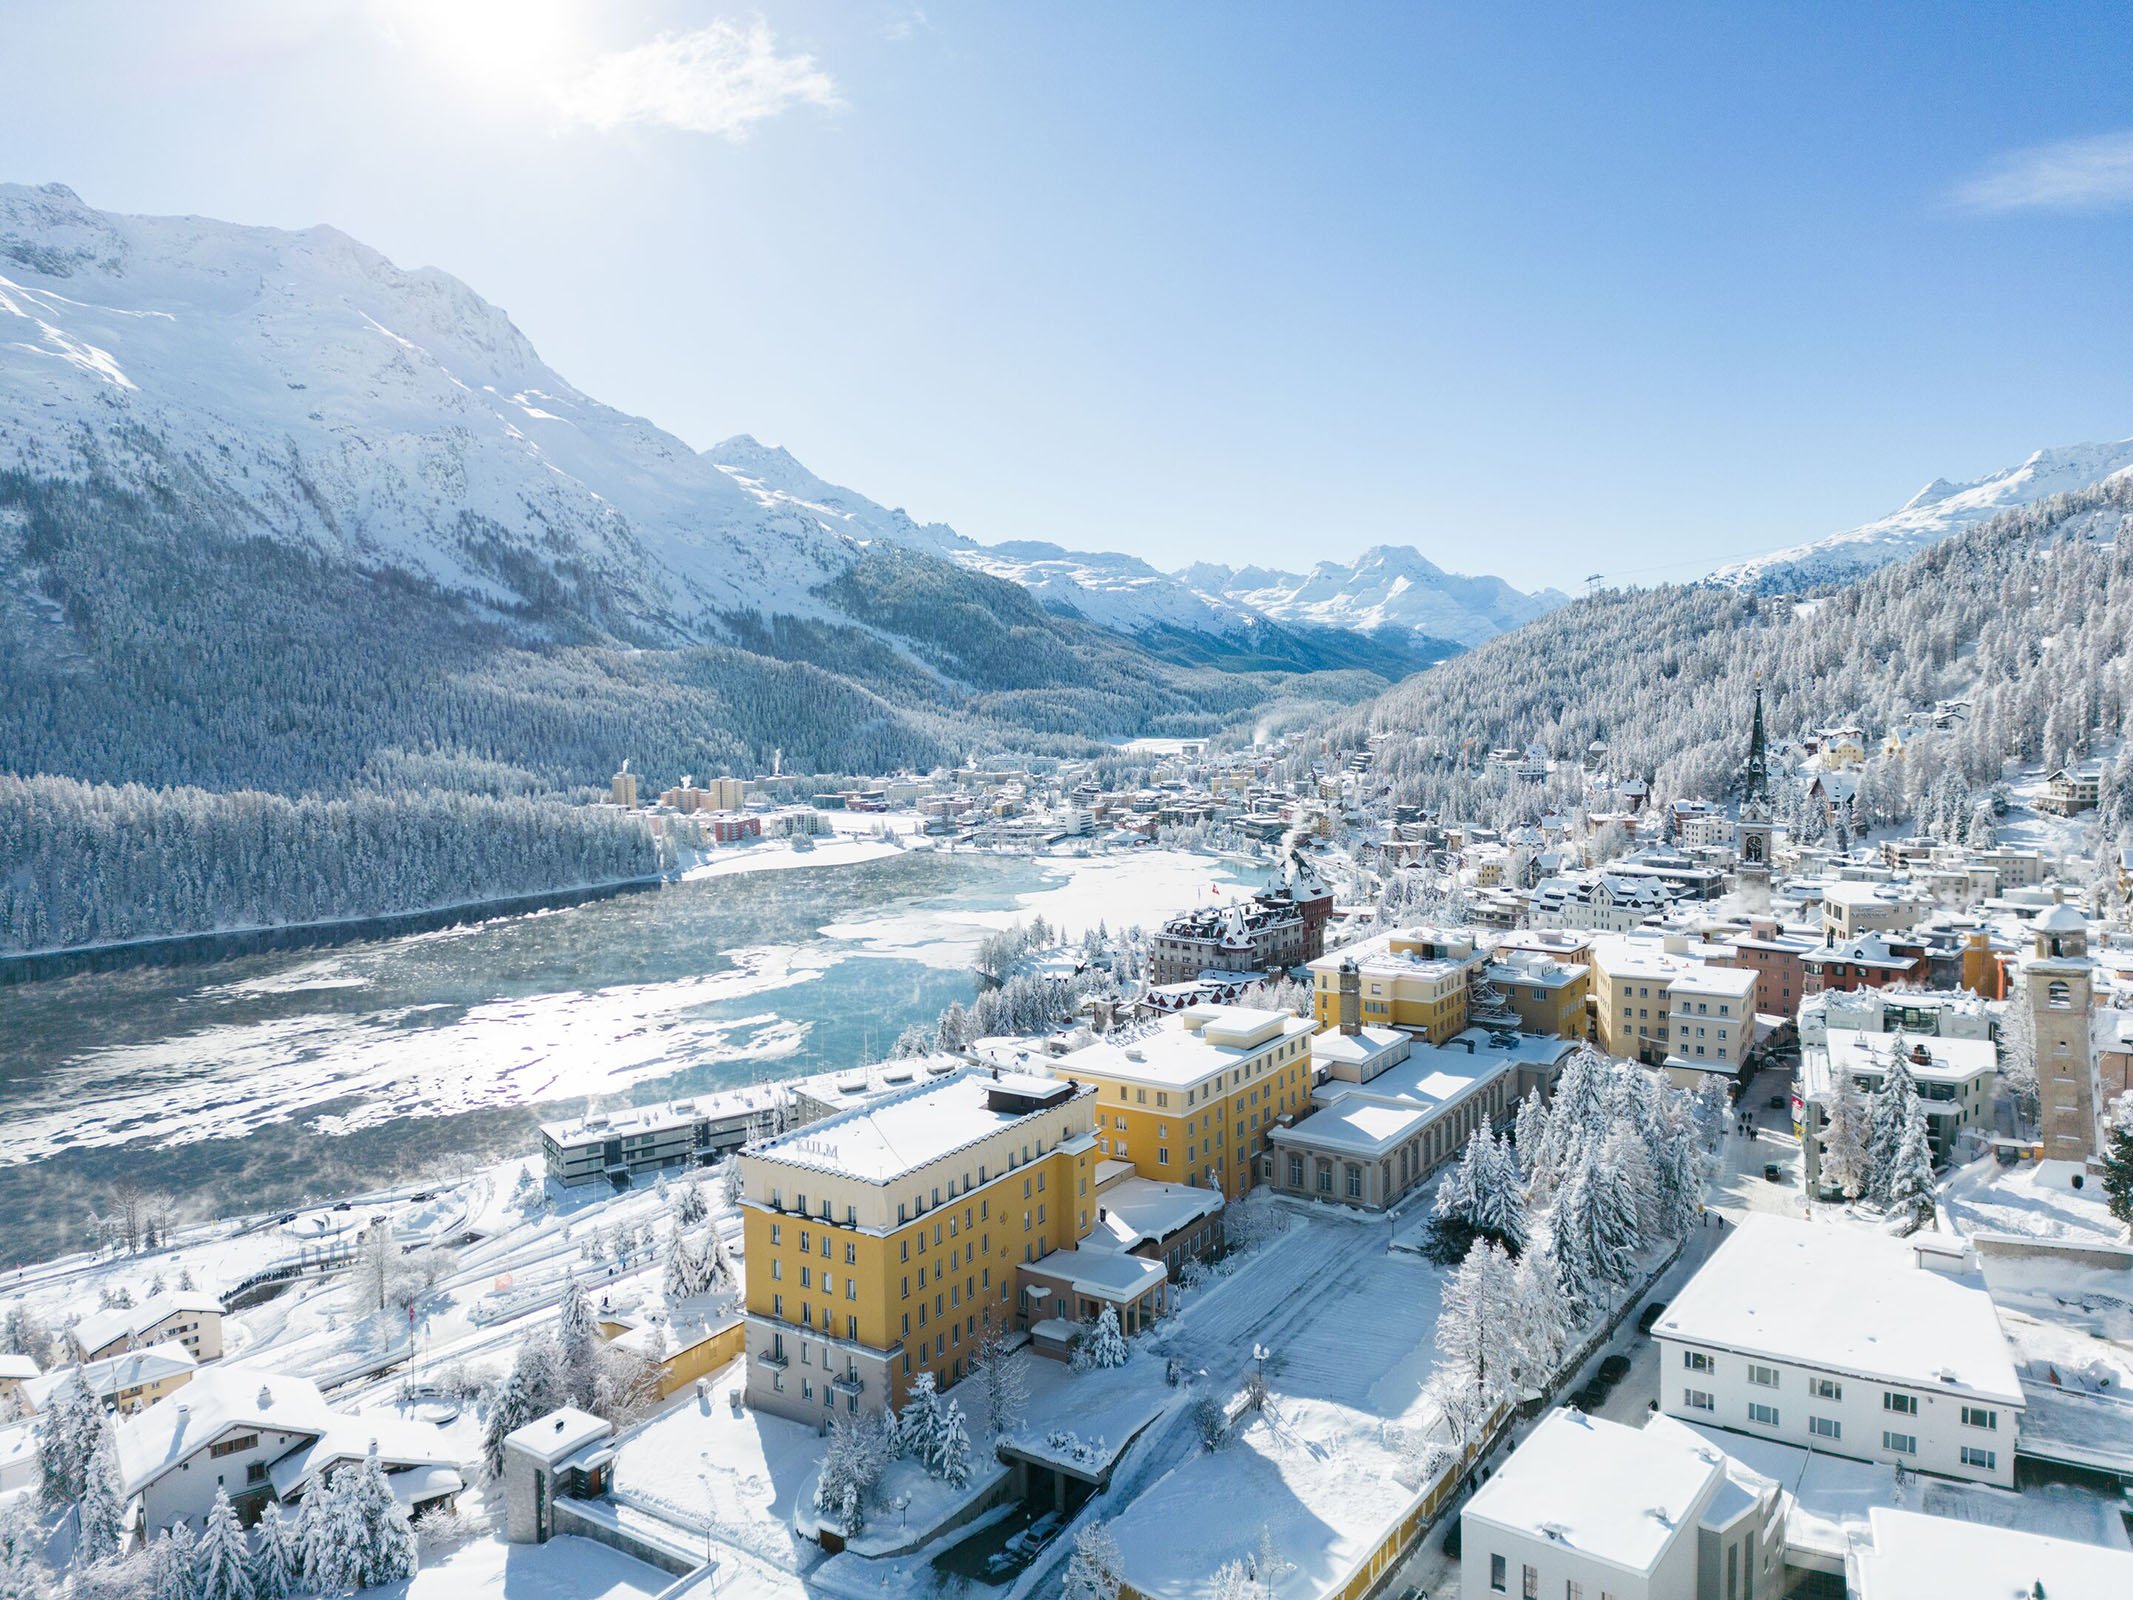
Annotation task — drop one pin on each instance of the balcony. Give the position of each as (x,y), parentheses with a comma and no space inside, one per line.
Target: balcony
(770,1359)
(849,1383)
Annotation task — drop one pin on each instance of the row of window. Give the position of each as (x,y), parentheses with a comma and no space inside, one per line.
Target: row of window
(1906,1444)
(1767,1377)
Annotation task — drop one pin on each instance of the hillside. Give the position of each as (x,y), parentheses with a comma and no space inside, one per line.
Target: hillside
(2028,617)
(277,514)
(1387,589)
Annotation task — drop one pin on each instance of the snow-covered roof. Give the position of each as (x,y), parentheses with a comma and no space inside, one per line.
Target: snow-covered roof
(1916,1557)
(903,1132)
(100,1328)
(18,1368)
(1101,1274)
(668,1115)
(559,1435)
(1846,1299)
(1193,1045)
(218,1399)
(1952,1061)
(399,1441)
(1356,1124)
(114,1375)
(1364,1047)
(1438,1075)
(1616,1495)
(1143,1209)
(2061,918)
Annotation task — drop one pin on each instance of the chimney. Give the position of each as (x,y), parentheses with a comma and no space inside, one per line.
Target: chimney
(1351,998)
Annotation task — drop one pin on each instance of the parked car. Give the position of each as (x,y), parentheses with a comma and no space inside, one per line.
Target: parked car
(1037,1535)
(1650,1315)
(1451,1540)
(1773,1173)
(1777,1102)
(1614,1369)
(1593,1396)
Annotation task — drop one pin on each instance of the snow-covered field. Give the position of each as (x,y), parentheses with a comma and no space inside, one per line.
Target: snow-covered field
(562,1569)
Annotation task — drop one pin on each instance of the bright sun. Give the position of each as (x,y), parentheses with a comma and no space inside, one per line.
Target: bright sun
(502,51)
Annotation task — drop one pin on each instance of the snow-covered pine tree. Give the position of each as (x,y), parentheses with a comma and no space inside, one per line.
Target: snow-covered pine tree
(1529,1128)
(998,1368)
(577,1346)
(73,1421)
(1623,1191)
(23,1575)
(1844,1139)
(1889,1114)
(1911,1169)
(1714,1109)
(103,1503)
(690,1206)
(1096,1569)
(951,1446)
(729,1182)
(1499,1193)
(517,1398)
(920,1423)
(2018,1056)
(1474,1321)
(1101,1344)
(222,1561)
(323,1563)
(277,1556)
(384,1548)
(170,1565)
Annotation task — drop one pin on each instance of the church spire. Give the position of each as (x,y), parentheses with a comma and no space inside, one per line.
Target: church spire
(1755,775)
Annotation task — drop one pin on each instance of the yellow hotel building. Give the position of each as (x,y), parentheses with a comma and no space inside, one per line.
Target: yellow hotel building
(1191,1100)
(1416,978)
(881,1241)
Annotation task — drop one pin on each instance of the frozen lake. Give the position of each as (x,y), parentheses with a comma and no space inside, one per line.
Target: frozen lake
(264,1080)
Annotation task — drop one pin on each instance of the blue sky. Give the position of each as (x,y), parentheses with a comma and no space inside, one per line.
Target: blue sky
(1543,292)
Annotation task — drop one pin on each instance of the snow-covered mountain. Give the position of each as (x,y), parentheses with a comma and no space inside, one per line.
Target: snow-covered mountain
(391,418)
(1110,590)
(1936,511)
(1388,586)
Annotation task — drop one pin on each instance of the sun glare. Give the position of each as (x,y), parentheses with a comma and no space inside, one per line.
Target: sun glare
(501,51)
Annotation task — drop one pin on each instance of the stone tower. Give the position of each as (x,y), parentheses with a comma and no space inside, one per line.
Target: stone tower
(1351,998)
(2059,987)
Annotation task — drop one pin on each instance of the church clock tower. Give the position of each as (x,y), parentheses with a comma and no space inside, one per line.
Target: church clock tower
(1752,833)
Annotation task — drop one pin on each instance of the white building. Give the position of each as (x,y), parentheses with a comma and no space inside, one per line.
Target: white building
(250,1432)
(622,1147)
(1587,1509)
(1954,1077)
(1607,902)
(1910,1556)
(1839,1339)
(183,1316)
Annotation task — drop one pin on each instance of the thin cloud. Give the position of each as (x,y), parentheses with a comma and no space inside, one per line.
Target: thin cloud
(2077,175)
(722,79)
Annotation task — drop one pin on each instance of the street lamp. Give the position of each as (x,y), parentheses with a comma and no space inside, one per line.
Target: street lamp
(704,1476)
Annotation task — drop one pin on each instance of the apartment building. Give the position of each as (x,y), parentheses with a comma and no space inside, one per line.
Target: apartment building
(1547,995)
(1846,1341)
(186,1317)
(630,1146)
(1871,961)
(1667,1001)
(1850,909)
(1415,978)
(1191,1098)
(881,1241)
(1587,1509)
(128,1382)
(1605,902)
(1773,952)
(1954,1077)
(1908,1555)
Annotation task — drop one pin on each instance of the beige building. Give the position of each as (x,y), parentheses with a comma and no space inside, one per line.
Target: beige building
(183,1316)
(881,1242)
(1547,994)
(1656,1000)
(1191,1099)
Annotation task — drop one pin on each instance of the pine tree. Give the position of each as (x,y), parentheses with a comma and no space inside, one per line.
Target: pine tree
(951,1447)
(1096,1569)
(1002,1381)
(384,1550)
(1889,1115)
(577,1346)
(170,1566)
(222,1561)
(73,1421)
(1538,1326)
(278,1560)
(1499,1193)
(2117,1156)
(690,1207)
(23,1575)
(1911,1169)
(1473,1323)
(919,1426)
(324,1557)
(1100,1344)
(103,1505)
(1844,1139)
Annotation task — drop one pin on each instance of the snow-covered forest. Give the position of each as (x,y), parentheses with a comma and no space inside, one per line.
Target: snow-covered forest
(2027,617)
(85,864)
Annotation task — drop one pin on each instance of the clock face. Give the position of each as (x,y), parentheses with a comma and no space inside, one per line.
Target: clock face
(1752,847)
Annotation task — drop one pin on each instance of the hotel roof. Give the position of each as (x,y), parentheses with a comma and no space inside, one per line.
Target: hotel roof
(901,1133)
(1845,1299)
